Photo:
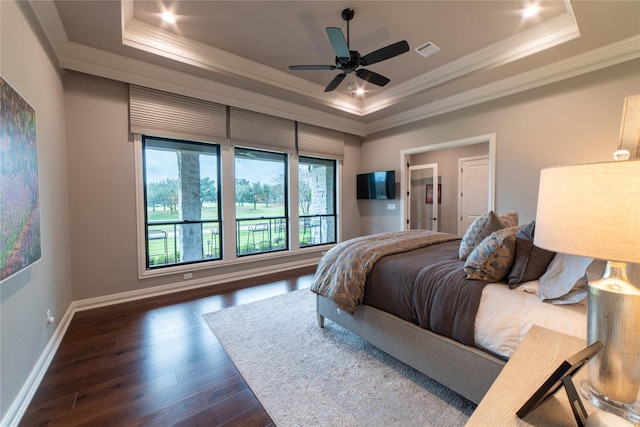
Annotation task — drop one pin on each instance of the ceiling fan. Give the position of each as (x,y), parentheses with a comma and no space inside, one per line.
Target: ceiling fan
(348,61)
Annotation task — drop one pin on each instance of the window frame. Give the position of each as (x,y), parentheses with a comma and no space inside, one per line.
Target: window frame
(287,218)
(228,219)
(175,145)
(305,217)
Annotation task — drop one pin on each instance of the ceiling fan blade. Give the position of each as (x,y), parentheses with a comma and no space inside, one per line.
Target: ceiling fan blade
(371,77)
(340,46)
(312,67)
(386,52)
(335,82)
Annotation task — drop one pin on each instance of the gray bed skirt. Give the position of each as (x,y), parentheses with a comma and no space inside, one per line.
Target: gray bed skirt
(465,370)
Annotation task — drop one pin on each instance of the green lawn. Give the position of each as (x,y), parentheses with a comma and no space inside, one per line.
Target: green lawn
(248,242)
(210,211)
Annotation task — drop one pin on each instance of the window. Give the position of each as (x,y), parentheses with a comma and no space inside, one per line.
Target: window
(181,196)
(317,199)
(261,201)
(188,214)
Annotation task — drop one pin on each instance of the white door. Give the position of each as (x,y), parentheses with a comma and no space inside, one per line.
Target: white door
(422,201)
(474,190)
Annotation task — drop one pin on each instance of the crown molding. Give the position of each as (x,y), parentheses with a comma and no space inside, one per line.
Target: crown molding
(140,35)
(616,53)
(77,57)
(51,24)
(145,37)
(99,63)
(93,61)
(538,38)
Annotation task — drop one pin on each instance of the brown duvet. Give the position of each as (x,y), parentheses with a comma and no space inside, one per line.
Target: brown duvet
(428,287)
(342,272)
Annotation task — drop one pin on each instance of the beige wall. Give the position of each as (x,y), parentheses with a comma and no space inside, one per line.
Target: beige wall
(350,216)
(87,194)
(574,121)
(101,186)
(46,285)
(102,198)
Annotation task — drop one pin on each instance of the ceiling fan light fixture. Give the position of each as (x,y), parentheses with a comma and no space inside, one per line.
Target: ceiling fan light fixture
(348,61)
(352,83)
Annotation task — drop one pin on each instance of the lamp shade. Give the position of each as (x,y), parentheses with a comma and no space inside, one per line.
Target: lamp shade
(592,210)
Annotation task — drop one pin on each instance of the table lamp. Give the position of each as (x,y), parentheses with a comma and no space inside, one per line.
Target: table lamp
(629,146)
(593,210)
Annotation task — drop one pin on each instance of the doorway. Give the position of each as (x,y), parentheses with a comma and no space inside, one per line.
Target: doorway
(447,212)
(422,201)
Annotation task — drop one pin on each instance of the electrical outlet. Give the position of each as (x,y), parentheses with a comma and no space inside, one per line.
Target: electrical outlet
(49,319)
(188,276)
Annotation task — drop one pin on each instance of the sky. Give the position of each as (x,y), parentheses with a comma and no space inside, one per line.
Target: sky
(161,165)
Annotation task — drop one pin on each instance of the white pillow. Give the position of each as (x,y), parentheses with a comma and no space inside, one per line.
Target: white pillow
(565,281)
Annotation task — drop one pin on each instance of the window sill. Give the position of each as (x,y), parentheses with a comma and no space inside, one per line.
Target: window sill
(307,253)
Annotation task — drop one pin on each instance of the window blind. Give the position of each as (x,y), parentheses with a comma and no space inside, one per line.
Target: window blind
(257,130)
(316,141)
(157,113)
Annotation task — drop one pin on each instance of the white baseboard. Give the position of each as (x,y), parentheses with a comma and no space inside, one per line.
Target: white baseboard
(21,402)
(186,285)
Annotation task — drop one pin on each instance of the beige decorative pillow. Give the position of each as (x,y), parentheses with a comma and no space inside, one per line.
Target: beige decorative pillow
(509,220)
(482,227)
(491,260)
(469,239)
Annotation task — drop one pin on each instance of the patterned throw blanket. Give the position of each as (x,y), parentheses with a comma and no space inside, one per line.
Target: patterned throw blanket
(342,272)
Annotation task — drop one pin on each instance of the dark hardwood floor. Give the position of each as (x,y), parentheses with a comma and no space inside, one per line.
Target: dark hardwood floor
(154,362)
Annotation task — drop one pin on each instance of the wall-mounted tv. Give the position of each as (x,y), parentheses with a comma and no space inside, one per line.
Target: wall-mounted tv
(377,185)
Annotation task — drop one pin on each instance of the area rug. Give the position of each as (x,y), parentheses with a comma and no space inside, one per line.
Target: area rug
(307,376)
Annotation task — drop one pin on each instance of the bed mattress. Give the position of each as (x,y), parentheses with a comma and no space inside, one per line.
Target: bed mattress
(505,316)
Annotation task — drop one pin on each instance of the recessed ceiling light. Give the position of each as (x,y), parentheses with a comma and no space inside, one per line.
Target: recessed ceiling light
(169,17)
(530,11)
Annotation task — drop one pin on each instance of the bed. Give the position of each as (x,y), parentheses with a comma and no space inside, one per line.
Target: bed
(453,308)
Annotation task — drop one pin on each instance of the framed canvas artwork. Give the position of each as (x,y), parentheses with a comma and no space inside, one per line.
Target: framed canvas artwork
(19,196)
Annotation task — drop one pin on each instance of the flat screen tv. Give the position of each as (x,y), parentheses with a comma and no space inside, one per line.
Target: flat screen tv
(377,185)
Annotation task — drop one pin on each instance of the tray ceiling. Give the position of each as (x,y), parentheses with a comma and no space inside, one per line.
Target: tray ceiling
(238,52)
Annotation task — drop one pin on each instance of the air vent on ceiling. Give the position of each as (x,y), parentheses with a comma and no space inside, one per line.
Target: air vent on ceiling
(429,48)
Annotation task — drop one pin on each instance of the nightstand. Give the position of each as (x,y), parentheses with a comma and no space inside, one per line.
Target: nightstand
(537,357)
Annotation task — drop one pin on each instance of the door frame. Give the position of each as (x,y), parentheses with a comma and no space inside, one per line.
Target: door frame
(489,138)
(434,219)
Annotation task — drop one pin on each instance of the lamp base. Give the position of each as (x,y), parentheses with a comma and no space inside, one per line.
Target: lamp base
(614,320)
(628,411)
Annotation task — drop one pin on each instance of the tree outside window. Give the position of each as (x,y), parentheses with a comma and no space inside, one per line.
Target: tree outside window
(261,201)
(181,198)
